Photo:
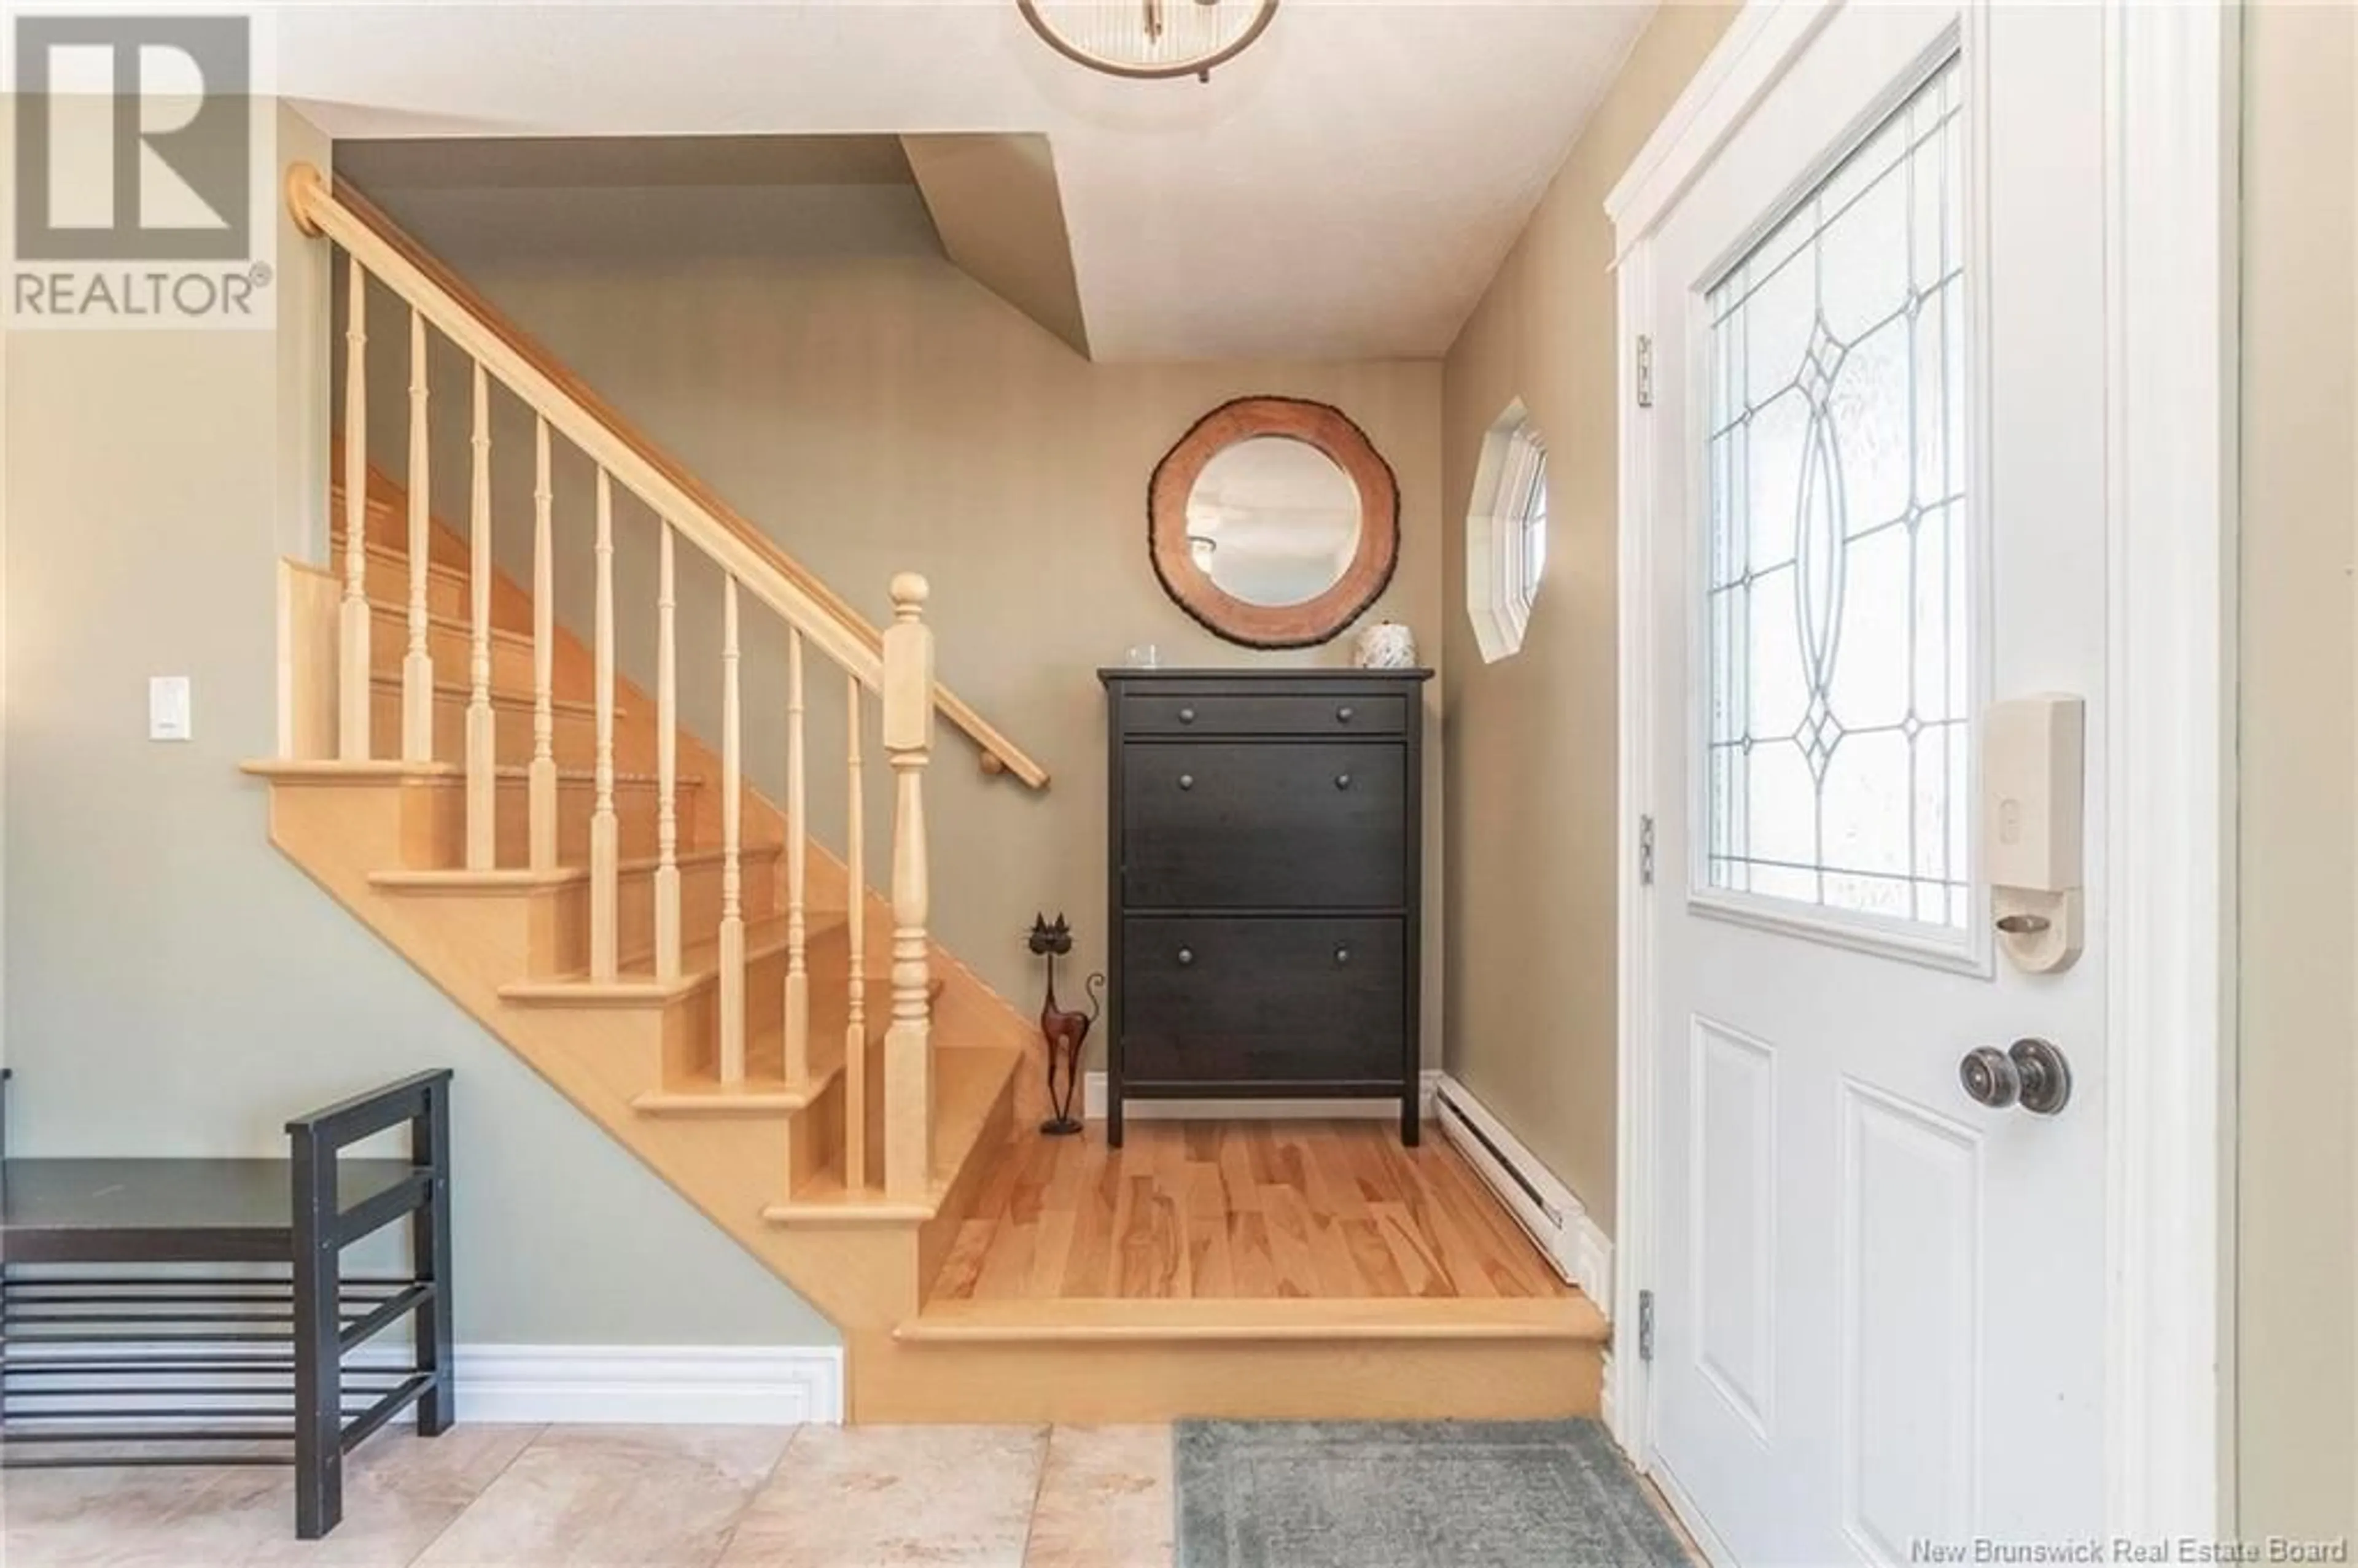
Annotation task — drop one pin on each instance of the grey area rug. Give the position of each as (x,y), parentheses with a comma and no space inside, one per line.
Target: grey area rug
(1413,1494)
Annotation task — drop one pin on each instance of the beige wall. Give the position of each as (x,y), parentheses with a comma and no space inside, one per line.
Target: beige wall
(810,354)
(173,985)
(2298,1208)
(1532,761)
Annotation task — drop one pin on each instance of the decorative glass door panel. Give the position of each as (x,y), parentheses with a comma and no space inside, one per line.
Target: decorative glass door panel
(1837,575)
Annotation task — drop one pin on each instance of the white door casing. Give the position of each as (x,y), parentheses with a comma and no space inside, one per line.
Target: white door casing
(1907,1316)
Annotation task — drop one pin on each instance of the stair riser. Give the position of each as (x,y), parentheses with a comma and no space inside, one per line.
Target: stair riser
(388,584)
(381,823)
(446,594)
(1082,1383)
(450,648)
(443,846)
(565,950)
(798,1145)
(817,1140)
(388,521)
(765,1006)
(574,733)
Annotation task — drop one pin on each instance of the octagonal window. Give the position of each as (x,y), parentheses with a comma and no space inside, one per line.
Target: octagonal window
(1506,534)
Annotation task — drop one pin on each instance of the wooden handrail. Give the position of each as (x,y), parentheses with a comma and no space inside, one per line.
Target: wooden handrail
(347,216)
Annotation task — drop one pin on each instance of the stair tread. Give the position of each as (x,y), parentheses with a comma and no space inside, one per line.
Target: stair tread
(455,623)
(504,879)
(501,697)
(379,768)
(334,770)
(699,963)
(753,1097)
(967,1084)
(589,775)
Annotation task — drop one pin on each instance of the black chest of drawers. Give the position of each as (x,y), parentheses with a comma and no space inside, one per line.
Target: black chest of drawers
(1264,879)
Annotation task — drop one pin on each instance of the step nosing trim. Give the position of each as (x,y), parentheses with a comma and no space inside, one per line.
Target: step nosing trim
(1036,1322)
(451,624)
(719,1103)
(501,697)
(861,1211)
(518,879)
(635,990)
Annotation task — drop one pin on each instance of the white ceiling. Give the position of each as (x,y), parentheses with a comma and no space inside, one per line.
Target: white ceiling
(1345,189)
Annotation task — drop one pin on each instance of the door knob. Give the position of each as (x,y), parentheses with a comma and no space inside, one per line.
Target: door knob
(1187,780)
(2032,1073)
(1186,957)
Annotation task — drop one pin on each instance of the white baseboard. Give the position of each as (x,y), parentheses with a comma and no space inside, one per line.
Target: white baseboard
(623,1385)
(1543,1204)
(652,1385)
(1093,1106)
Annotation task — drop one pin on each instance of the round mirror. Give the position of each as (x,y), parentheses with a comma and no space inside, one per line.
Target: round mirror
(1274,522)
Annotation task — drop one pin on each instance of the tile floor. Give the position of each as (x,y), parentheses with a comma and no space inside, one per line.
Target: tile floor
(605,1497)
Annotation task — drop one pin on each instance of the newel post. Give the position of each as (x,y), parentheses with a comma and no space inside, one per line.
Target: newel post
(908,743)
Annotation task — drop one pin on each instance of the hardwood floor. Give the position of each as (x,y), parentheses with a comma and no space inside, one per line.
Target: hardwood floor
(1209,1210)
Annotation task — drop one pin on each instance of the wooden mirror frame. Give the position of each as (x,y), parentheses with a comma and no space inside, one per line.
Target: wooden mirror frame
(1314,621)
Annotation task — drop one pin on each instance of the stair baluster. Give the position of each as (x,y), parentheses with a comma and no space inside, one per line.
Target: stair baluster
(353,670)
(605,833)
(855,881)
(418,664)
(667,913)
(483,750)
(796,1027)
(540,779)
(733,915)
(908,745)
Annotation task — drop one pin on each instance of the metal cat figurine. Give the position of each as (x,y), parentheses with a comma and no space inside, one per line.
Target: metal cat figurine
(1066,1031)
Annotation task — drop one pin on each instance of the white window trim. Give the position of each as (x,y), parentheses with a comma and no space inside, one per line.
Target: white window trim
(2172,335)
(1500,591)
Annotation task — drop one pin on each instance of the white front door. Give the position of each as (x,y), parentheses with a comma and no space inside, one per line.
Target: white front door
(1877,446)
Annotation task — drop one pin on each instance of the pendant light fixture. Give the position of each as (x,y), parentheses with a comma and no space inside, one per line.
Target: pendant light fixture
(1150,39)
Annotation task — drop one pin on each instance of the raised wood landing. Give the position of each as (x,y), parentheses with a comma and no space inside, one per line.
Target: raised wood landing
(1322,1210)
(1246,1269)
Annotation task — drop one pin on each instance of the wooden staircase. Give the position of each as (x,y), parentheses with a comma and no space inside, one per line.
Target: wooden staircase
(767,1028)
(763,1153)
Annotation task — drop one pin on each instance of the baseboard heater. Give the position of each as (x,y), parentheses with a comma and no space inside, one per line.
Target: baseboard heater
(1542,1206)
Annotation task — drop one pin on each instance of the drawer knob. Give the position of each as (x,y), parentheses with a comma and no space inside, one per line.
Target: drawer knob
(1342,952)
(1342,781)
(1343,714)
(1187,780)
(1186,957)
(1186,716)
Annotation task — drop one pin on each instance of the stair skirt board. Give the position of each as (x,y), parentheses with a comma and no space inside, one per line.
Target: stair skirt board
(578,1385)
(1541,1203)
(1093,1106)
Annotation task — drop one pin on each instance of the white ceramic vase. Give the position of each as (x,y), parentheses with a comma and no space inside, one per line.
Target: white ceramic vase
(1386,645)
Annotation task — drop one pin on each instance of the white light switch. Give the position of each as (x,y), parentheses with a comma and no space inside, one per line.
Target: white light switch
(168,708)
